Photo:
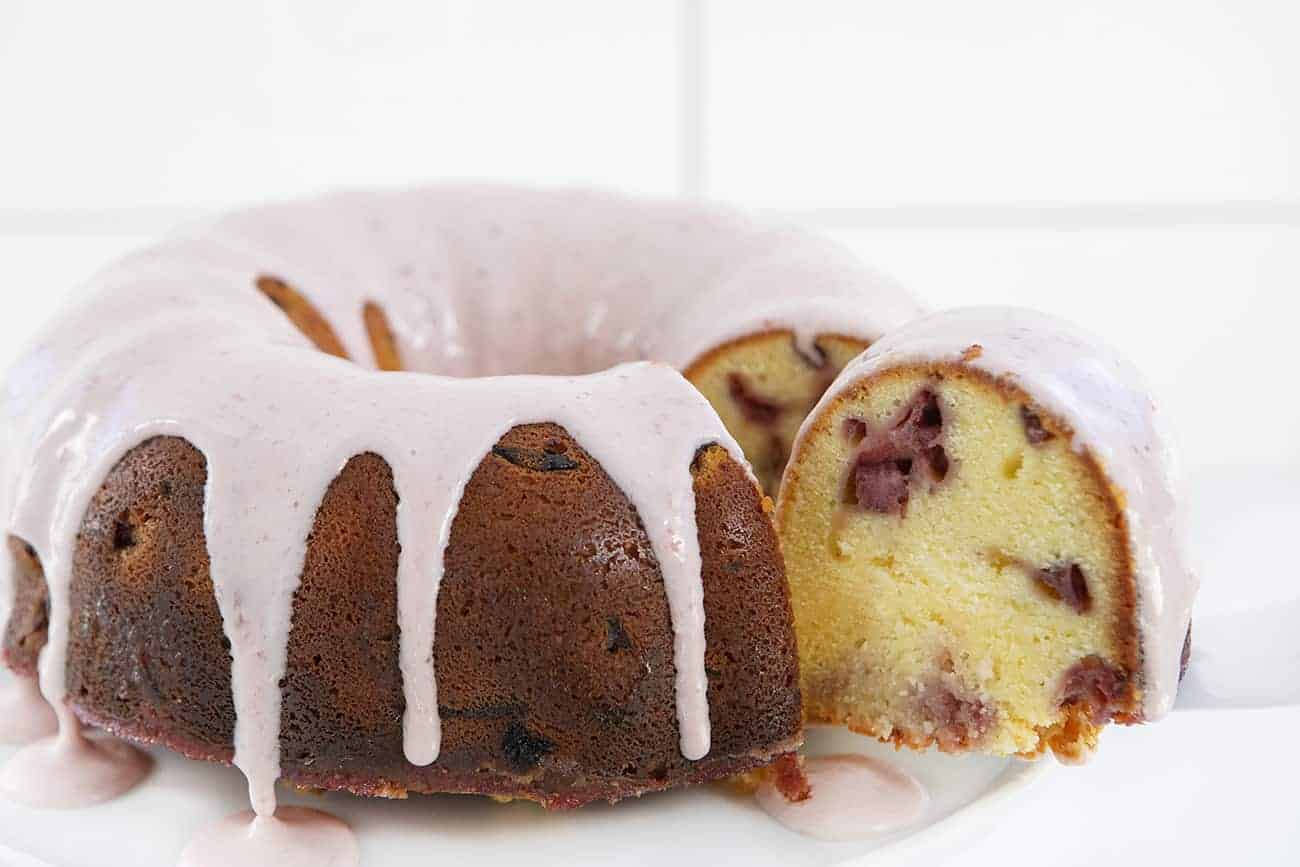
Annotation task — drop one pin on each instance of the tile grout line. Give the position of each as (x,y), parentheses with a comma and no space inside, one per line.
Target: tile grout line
(1062,217)
(150,219)
(125,220)
(690,98)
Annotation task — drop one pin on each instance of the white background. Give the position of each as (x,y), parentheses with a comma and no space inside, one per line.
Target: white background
(1131,164)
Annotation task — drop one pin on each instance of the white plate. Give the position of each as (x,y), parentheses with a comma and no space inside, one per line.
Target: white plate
(710,825)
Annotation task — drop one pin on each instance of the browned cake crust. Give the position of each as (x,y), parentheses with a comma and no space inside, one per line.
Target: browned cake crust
(553,651)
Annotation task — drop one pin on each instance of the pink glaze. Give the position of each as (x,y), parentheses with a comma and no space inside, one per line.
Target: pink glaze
(25,715)
(853,797)
(293,837)
(69,770)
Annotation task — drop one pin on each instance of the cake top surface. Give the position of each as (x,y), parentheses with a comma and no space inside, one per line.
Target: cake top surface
(485,280)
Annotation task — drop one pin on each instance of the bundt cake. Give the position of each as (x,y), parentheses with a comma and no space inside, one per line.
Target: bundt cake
(982,540)
(277,492)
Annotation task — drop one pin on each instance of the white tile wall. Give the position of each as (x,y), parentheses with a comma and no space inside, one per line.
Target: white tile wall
(1132,164)
(1205,312)
(37,270)
(834,102)
(149,102)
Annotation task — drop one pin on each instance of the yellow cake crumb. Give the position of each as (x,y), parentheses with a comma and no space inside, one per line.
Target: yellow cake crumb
(908,622)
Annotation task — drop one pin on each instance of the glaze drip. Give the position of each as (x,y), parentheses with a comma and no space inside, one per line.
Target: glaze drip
(294,837)
(854,797)
(68,770)
(25,715)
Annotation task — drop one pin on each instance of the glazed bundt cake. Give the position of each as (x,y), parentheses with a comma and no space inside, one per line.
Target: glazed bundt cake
(980,533)
(246,522)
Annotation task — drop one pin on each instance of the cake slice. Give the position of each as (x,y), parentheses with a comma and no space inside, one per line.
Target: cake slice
(982,542)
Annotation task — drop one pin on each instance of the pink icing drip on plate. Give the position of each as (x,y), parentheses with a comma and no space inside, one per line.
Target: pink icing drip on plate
(69,770)
(293,837)
(25,715)
(853,797)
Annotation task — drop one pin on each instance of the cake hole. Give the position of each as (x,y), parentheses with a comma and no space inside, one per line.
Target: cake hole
(302,314)
(524,750)
(535,459)
(855,430)
(1066,583)
(1033,424)
(880,473)
(930,415)
(960,717)
(1096,686)
(1011,466)
(616,637)
(878,486)
(849,491)
(123,533)
(937,458)
(382,340)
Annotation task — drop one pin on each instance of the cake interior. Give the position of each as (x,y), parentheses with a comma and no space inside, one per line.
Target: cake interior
(971,589)
(762,387)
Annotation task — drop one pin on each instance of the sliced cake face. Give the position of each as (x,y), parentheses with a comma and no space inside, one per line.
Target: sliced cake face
(960,573)
(763,387)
